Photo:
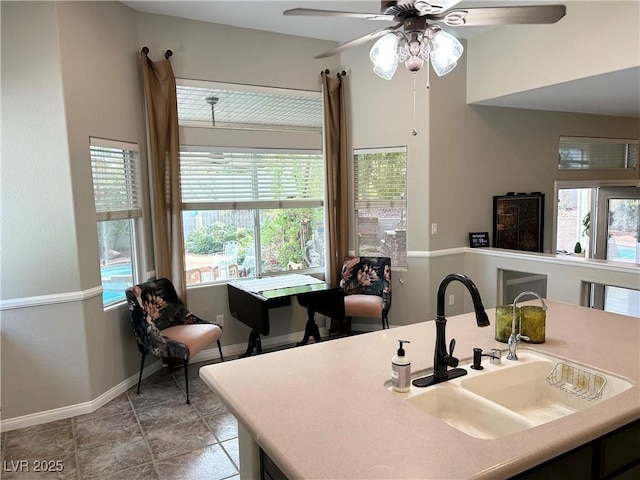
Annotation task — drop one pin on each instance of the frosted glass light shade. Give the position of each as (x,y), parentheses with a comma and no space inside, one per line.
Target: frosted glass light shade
(384,56)
(446,52)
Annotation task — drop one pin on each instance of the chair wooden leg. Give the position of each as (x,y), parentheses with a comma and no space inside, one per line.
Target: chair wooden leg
(186,379)
(140,377)
(220,350)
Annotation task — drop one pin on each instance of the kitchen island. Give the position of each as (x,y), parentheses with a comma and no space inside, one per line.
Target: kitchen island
(324,410)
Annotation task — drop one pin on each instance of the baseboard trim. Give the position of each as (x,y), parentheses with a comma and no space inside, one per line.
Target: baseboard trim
(93,405)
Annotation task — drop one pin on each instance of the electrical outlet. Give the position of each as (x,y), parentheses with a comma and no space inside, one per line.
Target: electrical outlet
(434,228)
(220,320)
(452,299)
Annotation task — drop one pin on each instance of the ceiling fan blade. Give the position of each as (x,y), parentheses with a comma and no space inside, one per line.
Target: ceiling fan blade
(501,15)
(311,12)
(359,41)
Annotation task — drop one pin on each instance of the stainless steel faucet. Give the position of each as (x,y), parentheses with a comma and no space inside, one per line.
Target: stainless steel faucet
(515,338)
(442,359)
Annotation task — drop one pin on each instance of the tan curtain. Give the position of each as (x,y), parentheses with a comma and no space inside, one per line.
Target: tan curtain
(335,147)
(164,184)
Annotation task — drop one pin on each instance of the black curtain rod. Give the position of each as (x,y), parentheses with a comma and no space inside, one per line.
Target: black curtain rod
(167,54)
(340,74)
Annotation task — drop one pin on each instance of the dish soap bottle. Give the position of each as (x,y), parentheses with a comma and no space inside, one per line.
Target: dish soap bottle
(401,370)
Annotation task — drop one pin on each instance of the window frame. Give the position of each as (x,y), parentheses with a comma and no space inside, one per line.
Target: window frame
(132,213)
(257,206)
(380,203)
(245,136)
(585,145)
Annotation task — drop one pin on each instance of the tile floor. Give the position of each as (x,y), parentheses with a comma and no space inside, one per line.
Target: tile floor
(154,435)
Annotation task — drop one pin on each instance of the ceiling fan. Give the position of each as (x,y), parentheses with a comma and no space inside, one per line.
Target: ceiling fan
(417,34)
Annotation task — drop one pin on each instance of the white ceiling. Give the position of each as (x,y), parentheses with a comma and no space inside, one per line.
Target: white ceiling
(616,94)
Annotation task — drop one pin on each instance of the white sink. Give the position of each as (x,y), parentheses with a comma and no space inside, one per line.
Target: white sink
(510,397)
(467,412)
(524,389)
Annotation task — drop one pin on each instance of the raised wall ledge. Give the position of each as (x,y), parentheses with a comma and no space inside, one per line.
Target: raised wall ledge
(591,263)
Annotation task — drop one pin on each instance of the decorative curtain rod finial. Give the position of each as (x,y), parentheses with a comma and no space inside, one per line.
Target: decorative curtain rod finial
(339,74)
(145,50)
(167,54)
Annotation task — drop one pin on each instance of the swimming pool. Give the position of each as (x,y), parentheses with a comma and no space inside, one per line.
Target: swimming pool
(625,254)
(118,269)
(115,280)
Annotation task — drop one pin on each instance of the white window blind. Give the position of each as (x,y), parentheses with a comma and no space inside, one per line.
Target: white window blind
(380,178)
(579,153)
(216,104)
(212,177)
(116,190)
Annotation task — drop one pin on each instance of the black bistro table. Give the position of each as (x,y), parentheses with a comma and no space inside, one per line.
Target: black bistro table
(251,299)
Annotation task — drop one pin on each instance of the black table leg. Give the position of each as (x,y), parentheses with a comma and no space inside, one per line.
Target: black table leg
(311,328)
(254,342)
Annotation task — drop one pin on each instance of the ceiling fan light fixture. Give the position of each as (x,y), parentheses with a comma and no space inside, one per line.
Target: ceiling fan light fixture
(445,53)
(384,55)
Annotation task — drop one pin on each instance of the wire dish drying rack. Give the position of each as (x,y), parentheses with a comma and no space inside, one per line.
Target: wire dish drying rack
(576,381)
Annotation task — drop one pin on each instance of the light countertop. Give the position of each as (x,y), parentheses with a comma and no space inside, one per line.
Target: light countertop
(322,410)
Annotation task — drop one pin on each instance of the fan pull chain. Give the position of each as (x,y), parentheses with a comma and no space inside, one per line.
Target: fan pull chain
(414,132)
(428,70)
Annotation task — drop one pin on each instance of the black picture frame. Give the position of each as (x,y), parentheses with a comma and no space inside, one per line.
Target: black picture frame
(518,221)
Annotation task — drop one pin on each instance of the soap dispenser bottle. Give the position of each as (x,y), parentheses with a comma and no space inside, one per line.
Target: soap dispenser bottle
(401,370)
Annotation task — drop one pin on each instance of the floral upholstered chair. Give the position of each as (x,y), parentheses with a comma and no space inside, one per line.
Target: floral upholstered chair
(366,283)
(163,326)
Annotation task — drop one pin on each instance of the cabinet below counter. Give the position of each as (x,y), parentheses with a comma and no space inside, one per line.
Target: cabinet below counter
(323,411)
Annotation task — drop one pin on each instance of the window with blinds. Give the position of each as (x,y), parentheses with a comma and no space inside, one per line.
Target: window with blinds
(250,211)
(380,197)
(116,192)
(217,104)
(220,178)
(582,153)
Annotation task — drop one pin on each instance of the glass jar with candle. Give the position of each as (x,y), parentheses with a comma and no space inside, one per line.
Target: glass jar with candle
(533,322)
(504,319)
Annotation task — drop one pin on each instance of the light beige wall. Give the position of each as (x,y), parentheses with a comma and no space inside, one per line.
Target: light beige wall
(102,99)
(461,157)
(477,152)
(44,353)
(39,249)
(205,51)
(44,359)
(594,37)
(380,114)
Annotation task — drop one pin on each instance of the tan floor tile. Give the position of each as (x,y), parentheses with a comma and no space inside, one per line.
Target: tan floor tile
(179,438)
(165,414)
(223,425)
(109,458)
(210,463)
(105,429)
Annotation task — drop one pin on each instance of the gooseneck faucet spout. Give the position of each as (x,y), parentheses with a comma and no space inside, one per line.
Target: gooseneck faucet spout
(442,359)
